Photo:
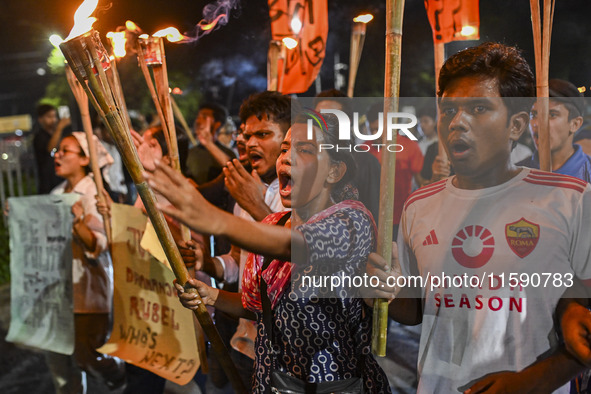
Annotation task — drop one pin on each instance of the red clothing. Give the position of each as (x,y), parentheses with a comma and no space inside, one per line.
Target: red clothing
(408,163)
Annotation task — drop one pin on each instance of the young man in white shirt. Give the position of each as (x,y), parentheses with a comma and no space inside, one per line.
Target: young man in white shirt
(491,220)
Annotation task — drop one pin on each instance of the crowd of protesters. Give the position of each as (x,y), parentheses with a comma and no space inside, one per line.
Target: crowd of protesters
(278,207)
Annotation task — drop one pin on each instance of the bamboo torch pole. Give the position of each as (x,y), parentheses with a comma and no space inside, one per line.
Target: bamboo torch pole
(153,94)
(81,52)
(163,102)
(163,90)
(82,101)
(394,15)
(356,47)
(118,40)
(180,117)
(273,65)
(115,81)
(542,56)
(439,54)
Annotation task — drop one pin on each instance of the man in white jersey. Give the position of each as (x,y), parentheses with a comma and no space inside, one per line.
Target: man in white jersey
(491,230)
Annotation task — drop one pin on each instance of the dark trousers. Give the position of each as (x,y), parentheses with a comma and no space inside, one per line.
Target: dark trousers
(91,331)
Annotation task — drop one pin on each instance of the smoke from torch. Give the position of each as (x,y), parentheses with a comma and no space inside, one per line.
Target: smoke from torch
(214,15)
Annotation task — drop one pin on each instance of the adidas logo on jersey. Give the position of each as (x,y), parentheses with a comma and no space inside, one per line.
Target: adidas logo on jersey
(431,239)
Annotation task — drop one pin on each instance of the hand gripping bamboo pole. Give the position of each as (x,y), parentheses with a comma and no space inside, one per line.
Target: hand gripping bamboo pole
(394,15)
(82,52)
(82,101)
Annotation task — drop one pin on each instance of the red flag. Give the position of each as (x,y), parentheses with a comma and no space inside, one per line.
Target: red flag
(302,63)
(453,20)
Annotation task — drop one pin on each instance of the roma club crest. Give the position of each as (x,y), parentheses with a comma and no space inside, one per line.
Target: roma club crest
(522,236)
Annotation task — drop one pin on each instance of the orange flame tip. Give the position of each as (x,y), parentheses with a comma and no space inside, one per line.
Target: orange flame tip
(171,33)
(129,25)
(208,26)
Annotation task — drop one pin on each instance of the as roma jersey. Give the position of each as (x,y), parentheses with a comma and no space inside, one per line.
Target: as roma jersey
(494,263)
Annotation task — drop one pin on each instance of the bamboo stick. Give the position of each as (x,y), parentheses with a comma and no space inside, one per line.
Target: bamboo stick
(283,59)
(153,94)
(82,101)
(439,55)
(74,49)
(542,58)
(394,16)
(357,42)
(273,65)
(163,90)
(181,118)
(179,269)
(116,84)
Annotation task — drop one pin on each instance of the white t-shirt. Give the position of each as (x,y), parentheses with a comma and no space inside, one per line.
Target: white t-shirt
(92,270)
(116,177)
(535,223)
(520,152)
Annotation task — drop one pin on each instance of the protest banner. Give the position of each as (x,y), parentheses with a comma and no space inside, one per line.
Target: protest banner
(41,305)
(305,23)
(151,329)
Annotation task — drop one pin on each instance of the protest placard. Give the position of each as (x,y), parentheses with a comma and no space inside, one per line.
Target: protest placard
(151,329)
(41,305)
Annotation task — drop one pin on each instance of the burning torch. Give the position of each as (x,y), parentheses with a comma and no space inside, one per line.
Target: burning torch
(88,60)
(357,42)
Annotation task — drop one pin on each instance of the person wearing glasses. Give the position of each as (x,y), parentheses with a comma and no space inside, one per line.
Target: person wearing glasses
(92,273)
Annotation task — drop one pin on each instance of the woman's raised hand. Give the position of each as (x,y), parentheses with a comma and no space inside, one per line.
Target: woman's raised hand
(187,204)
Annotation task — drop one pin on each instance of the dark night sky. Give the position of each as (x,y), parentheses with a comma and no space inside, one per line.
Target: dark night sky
(240,47)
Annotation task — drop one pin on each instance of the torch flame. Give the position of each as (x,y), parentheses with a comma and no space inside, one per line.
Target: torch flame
(172,34)
(129,25)
(296,24)
(55,40)
(208,26)
(82,19)
(117,42)
(363,18)
(468,31)
(290,43)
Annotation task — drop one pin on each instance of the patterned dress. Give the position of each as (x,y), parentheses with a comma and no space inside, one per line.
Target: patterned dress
(315,338)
